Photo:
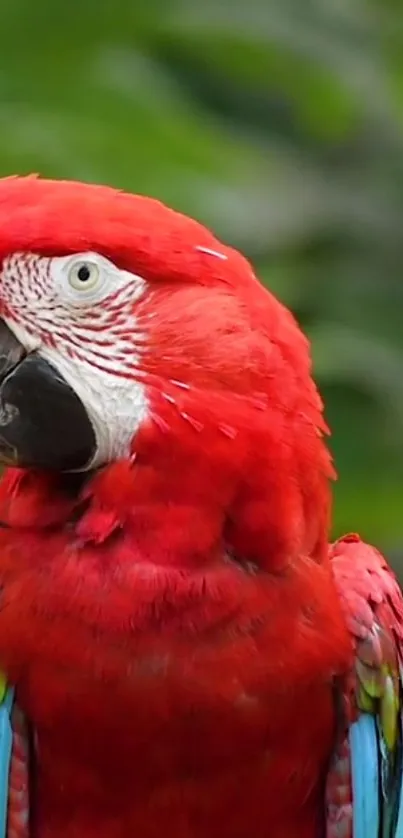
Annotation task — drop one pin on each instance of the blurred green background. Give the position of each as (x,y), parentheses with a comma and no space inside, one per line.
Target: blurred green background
(279,123)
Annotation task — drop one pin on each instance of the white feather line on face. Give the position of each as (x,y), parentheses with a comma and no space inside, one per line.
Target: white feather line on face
(116,405)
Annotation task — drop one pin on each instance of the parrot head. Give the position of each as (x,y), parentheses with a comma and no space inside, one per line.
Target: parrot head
(128,332)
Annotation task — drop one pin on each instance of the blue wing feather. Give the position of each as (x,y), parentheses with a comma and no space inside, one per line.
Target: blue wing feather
(6,741)
(364,792)
(365,777)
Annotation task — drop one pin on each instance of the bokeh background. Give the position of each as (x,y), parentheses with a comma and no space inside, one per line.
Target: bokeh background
(279,123)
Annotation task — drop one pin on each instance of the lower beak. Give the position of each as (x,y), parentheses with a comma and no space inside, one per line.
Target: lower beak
(43,423)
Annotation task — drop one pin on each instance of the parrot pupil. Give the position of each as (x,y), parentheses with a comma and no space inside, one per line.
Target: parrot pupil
(83,273)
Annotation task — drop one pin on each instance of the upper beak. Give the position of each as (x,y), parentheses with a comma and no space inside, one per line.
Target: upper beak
(11,354)
(11,350)
(43,423)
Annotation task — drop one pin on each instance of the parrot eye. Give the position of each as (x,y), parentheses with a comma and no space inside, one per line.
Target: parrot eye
(83,276)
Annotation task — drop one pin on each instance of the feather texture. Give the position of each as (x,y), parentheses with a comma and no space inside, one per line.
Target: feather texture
(187,651)
(368,759)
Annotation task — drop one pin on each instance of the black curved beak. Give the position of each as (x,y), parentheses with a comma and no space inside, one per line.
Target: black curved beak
(43,423)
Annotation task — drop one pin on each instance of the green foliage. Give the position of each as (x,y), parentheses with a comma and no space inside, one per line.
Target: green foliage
(280,125)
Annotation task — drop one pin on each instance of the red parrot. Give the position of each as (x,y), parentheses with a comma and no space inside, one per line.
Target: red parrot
(191,656)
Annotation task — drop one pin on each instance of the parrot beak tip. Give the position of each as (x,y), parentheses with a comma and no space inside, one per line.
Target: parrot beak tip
(43,423)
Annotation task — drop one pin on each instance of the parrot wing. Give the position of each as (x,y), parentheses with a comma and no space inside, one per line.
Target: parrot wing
(364,792)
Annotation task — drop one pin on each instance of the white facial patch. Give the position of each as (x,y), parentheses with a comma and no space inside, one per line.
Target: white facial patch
(78,312)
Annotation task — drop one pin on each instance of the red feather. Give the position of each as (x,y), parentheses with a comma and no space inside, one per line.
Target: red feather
(172,623)
(187,699)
